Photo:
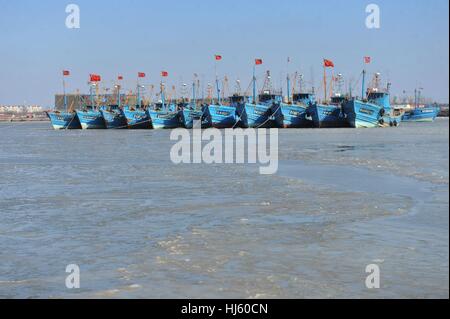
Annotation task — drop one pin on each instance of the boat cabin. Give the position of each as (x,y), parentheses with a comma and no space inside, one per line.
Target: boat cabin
(338,99)
(379,98)
(303,98)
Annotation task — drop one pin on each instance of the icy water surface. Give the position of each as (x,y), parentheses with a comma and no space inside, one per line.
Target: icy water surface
(138,226)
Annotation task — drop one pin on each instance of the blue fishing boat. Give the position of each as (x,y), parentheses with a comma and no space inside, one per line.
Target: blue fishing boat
(261,113)
(293,114)
(192,113)
(64,120)
(90,117)
(362,114)
(137,117)
(162,119)
(114,117)
(329,114)
(421,114)
(374,110)
(67,119)
(220,115)
(164,116)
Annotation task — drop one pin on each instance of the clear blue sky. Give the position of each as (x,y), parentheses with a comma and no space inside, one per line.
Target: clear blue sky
(123,37)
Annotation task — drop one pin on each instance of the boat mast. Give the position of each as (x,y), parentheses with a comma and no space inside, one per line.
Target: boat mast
(325,82)
(138,89)
(363,83)
(64,93)
(194,103)
(163,96)
(254,84)
(288,80)
(217,81)
(118,95)
(418,97)
(300,86)
(91,94)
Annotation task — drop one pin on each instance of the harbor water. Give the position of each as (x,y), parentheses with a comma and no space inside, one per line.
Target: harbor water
(138,226)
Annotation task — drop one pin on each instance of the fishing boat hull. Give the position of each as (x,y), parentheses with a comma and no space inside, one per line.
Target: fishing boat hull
(391,120)
(188,117)
(91,120)
(361,114)
(222,116)
(424,114)
(326,116)
(64,120)
(164,119)
(114,119)
(137,119)
(258,115)
(292,116)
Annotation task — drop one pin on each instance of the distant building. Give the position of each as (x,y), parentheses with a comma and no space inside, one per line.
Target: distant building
(20,109)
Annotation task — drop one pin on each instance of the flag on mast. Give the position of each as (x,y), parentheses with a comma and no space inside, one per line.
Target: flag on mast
(66,73)
(95,78)
(218,57)
(258,61)
(328,63)
(367,59)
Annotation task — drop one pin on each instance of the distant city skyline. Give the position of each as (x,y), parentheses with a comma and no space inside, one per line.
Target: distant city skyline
(410,49)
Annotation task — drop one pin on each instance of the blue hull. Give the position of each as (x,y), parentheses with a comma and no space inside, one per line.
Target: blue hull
(361,114)
(222,116)
(188,116)
(164,119)
(257,116)
(292,116)
(424,114)
(137,119)
(91,120)
(64,120)
(114,119)
(391,120)
(327,116)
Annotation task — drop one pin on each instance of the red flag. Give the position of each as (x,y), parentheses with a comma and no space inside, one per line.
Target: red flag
(328,63)
(367,59)
(164,73)
(95,78)
(66,73)
(218,57)
(120,77)
(258,61)
(141,75)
